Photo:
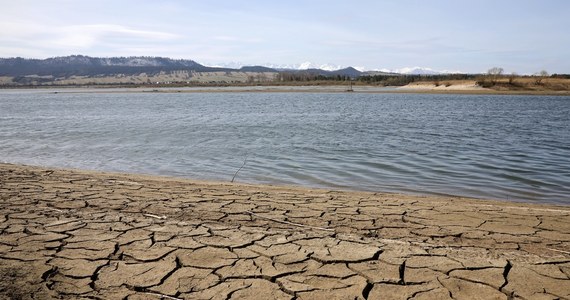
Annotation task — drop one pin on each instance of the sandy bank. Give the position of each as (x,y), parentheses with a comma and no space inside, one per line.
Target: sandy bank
(76,234)
(471,87)
(466,85)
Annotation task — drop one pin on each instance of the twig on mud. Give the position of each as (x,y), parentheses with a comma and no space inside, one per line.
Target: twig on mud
(163,296)
(155,216)
(561,251)
(289,223)
(54,209)
(244,162)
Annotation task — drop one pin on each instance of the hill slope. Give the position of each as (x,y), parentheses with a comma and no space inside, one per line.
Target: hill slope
(79,65)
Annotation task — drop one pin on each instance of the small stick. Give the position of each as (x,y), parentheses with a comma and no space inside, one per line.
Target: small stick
(561,251)
(155,216)
(163,296)
(244,162)
(289,223)
(59,223)
(54,209)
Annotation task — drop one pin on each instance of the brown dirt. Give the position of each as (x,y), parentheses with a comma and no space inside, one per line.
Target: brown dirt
(84,235)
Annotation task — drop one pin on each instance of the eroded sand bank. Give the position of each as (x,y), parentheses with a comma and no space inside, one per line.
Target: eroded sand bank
(455,86)
(77,234)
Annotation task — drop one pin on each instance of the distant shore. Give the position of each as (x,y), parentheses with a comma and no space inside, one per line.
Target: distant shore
(420,87)
(82,234)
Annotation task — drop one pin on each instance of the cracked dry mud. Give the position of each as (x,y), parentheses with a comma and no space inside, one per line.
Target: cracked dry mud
(84,235)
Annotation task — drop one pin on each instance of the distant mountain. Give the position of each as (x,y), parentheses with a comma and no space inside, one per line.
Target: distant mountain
(299,69)
(281,67)
(80,65)
(312,67)
(256,69)
(309,65)
(348,72)
(418,71)
(385,73)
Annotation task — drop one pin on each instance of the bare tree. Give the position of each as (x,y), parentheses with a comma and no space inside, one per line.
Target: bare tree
(494,73)
(540,76)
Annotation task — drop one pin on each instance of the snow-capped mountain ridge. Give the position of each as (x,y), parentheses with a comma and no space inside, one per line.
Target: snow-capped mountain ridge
(333,67)
(302,66)
(418,71)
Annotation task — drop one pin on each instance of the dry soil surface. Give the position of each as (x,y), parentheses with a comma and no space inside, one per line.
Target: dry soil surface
(69,234)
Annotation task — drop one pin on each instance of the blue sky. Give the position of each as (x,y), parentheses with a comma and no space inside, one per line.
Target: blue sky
(471,36)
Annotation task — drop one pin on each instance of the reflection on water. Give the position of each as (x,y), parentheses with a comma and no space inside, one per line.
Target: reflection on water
(489,146)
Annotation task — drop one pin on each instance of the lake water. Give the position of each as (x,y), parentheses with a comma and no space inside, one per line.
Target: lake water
(486,146)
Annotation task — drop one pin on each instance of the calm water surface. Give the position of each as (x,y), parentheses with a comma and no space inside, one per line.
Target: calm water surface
(487,146)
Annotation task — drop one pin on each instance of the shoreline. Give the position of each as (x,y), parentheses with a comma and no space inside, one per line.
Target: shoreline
(277,186)
(301,187)
(357,89)
(291,187)
(80,234)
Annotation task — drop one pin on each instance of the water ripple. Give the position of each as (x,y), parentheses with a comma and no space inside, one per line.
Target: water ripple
(488,146)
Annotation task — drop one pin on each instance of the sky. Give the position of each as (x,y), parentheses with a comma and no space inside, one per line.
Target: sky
(521,36)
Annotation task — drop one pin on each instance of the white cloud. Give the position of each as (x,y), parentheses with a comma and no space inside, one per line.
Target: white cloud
(86,36)
(236,39)
(56,40)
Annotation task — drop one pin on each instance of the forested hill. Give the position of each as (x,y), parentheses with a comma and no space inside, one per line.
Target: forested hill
(80,65)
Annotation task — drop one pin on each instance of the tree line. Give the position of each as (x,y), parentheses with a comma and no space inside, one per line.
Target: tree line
(496,76)
(404,79)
